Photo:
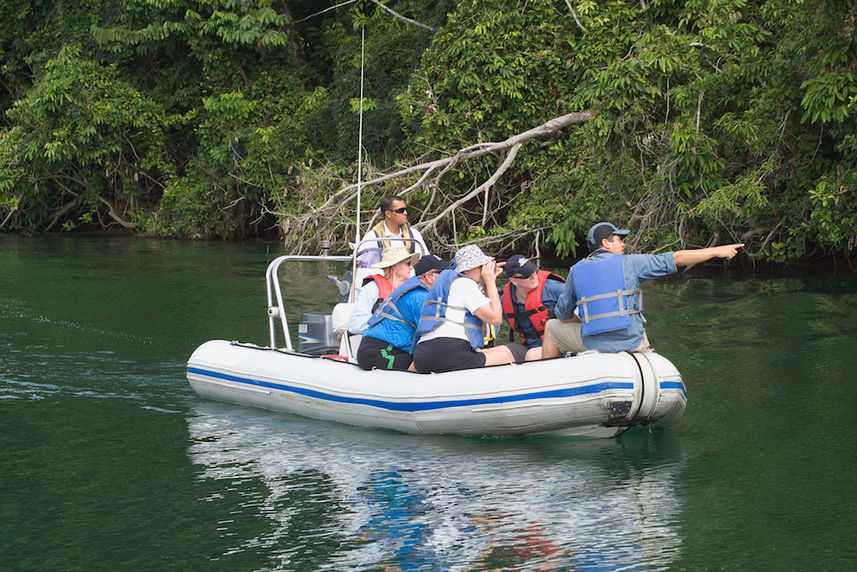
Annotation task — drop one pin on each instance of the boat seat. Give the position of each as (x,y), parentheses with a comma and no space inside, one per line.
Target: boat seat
(348,343)
(339,316)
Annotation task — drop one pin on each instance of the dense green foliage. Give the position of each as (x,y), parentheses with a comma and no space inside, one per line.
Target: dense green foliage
(713,120)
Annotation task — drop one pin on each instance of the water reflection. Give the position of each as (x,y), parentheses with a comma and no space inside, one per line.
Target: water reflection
(333,497)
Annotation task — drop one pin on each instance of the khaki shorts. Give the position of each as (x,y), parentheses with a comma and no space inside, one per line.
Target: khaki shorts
(566,337)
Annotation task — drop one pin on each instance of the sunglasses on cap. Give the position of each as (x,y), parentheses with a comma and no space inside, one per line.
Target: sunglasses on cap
(399,210)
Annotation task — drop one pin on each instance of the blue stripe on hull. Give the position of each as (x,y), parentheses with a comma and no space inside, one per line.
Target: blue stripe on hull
(423,405)
(674,385)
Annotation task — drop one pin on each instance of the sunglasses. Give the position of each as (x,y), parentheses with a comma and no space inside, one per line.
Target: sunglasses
(400,211)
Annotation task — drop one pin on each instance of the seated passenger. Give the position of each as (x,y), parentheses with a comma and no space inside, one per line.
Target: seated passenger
(449,335)
(396,262)
(528,301)
(604,287)
(388,341)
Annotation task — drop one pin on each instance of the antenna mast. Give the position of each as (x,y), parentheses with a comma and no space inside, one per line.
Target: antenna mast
(360,137)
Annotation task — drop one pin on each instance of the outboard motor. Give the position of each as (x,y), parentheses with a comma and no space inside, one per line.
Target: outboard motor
(344,285)
(316,335)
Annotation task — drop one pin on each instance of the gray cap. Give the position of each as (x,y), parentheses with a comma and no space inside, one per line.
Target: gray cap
(602,230)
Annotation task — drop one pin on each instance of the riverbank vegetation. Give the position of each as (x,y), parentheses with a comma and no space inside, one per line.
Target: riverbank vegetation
(514,124)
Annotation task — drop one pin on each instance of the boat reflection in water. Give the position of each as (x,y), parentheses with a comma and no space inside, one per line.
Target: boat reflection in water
(327,496)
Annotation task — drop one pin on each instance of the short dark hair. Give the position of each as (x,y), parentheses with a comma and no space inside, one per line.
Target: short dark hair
(600,233)
(387,203)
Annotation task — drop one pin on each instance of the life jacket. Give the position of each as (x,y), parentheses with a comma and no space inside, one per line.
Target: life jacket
(387,309)
(603,303)
(381,231)
(435,306)
(537,313)
(384,288)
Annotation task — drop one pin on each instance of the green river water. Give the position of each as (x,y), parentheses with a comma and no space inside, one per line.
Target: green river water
(109,460)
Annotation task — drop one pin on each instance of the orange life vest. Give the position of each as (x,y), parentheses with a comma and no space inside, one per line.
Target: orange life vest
(537,313)
(384,288)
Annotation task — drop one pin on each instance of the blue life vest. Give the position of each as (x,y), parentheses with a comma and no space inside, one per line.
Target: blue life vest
(388,308)
(388,323)
(603,303)
(434,311)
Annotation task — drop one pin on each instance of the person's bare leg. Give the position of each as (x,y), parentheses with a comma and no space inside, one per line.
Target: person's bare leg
(549,349)
(497,355)
(534,354)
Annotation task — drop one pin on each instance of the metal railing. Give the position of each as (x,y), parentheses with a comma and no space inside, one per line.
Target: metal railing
(276,309)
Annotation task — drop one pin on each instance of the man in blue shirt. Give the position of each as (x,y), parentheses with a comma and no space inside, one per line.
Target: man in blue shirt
(604,288)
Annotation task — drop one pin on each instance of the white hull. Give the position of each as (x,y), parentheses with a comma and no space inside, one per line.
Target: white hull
(590,394)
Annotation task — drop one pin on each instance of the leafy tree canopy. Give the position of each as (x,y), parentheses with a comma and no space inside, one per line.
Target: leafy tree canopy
(701,121)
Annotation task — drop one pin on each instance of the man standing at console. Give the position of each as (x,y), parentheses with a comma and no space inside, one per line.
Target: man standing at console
(605,289)
(394,225)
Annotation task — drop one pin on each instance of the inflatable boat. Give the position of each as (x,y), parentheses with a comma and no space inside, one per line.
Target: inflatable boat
(592,394)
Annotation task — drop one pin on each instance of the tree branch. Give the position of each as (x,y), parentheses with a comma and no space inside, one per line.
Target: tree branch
(573,13)
(545,129)
(504,166)
(115,216)
(302,222)
(11,212)
(406,19)
(347,2)
(60,212)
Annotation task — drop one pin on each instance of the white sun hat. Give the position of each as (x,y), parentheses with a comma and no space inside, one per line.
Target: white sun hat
(469,257)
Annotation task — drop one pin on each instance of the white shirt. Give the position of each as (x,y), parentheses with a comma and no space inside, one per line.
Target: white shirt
(463,292)
(370,253)
(359,320)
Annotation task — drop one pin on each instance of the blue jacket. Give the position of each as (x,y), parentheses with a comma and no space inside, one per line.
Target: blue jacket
(396,319)
(434,311)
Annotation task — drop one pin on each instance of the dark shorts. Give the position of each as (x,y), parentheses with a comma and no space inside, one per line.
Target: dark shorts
(519,351)
(446,354)
(378,354)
